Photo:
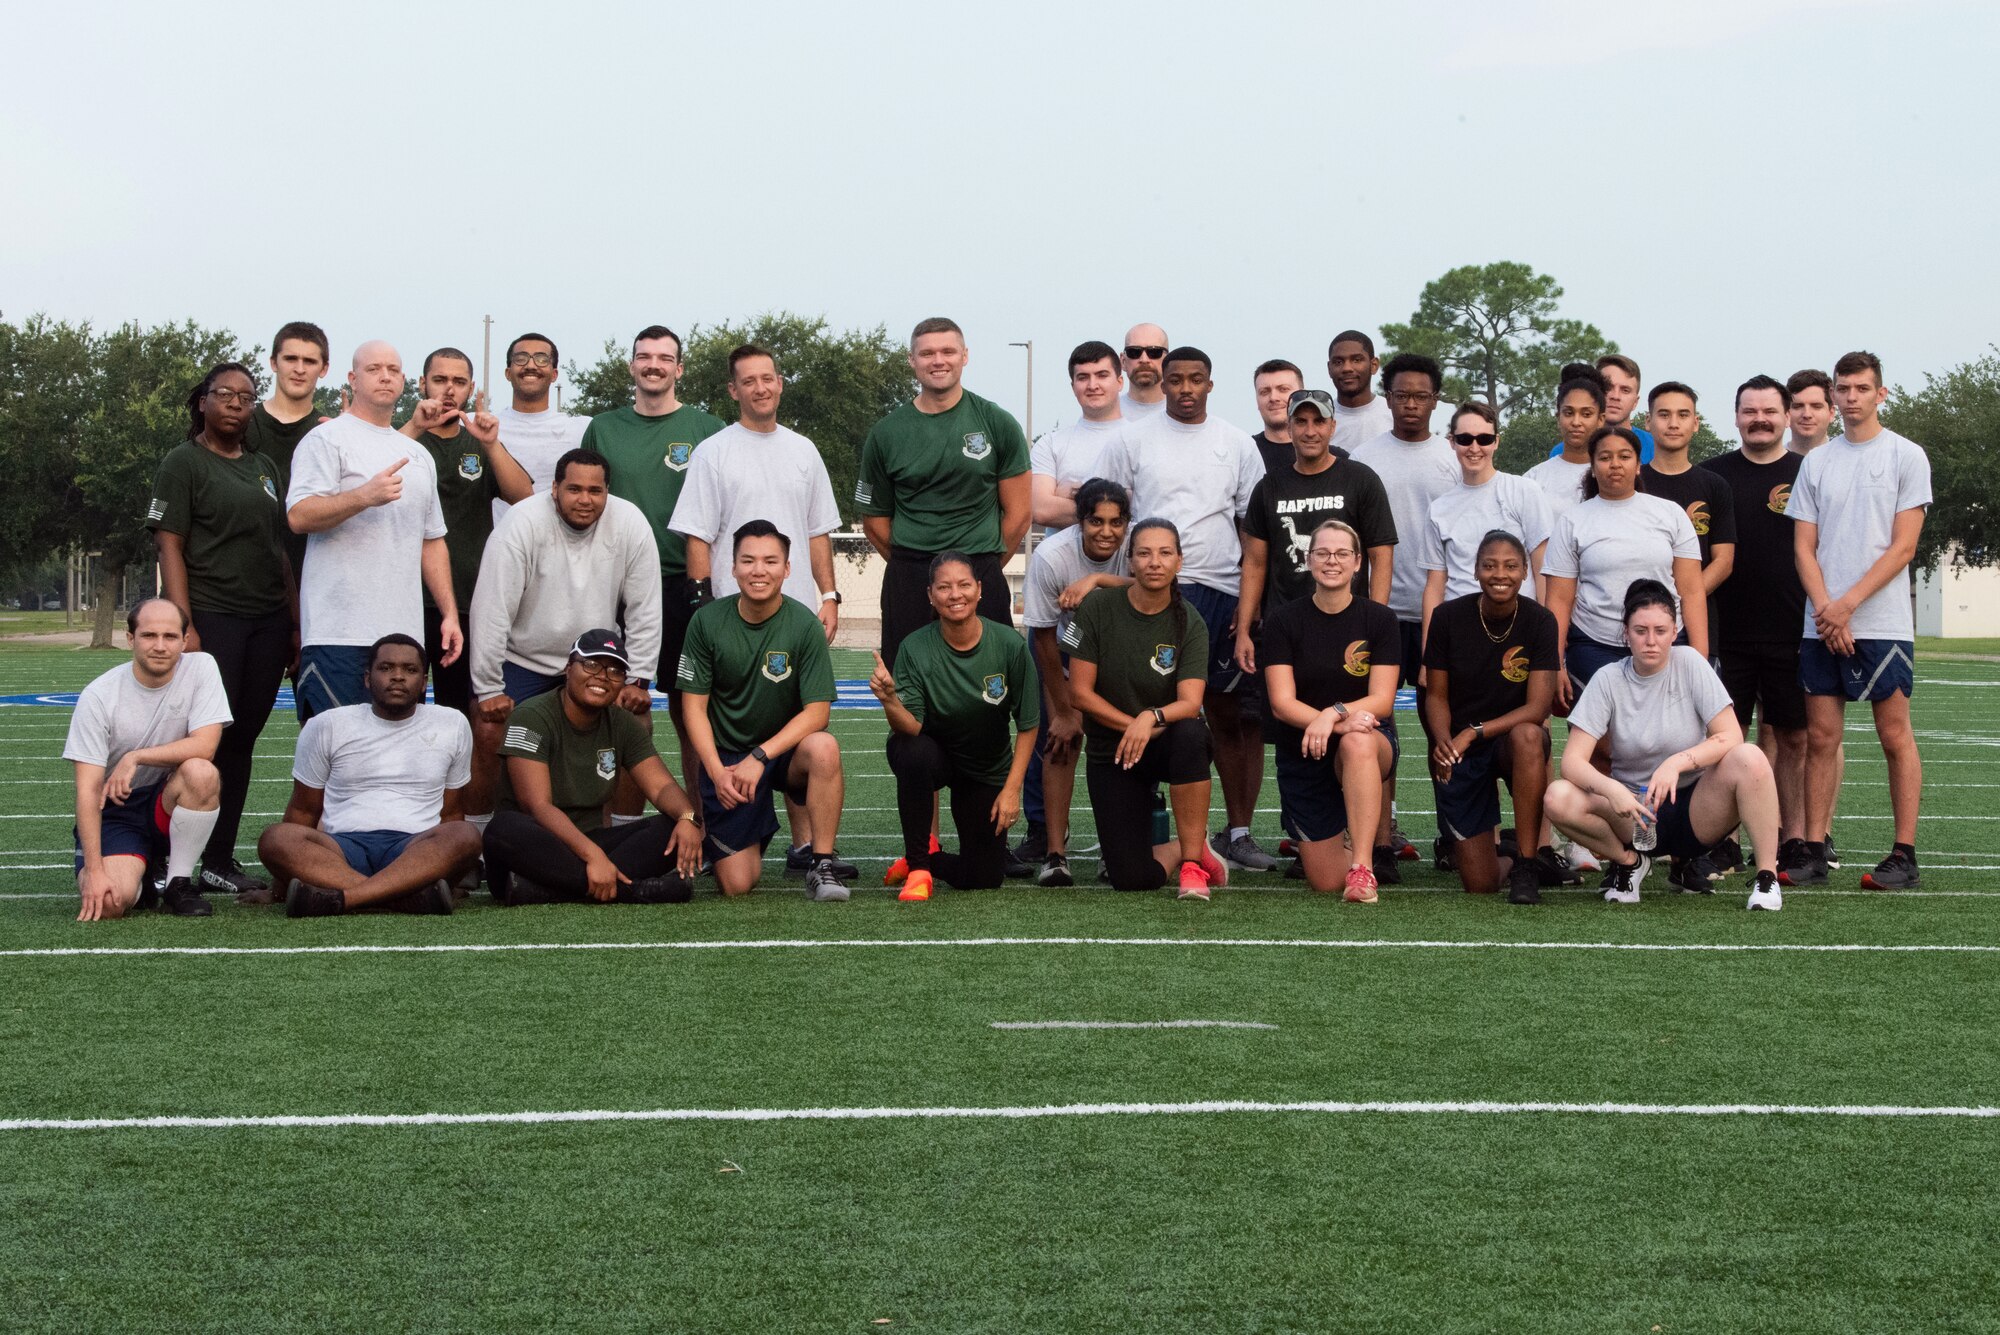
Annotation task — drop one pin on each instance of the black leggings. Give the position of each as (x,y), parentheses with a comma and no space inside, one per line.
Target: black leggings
(450,686)
(252,654)
(1123,801)
(922,766)
(516,843)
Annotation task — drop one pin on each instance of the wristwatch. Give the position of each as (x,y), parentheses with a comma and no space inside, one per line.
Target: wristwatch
(1340,709)
(643,683)
(1479,731)
(1160,717)
(757,754)
(833,594)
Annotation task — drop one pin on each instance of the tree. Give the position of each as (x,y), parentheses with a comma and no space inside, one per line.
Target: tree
(603,385)
(1495,331)
(47,391)
(1955,417)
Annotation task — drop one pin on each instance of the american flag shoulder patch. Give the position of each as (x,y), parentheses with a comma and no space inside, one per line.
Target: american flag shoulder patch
(686,670)
(156,511)
(864,494)
(523,739)
(1071,635)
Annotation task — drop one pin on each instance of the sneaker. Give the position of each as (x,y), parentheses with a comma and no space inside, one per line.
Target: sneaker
(656,890)
(799,861)
(1444,854)
(1194,881)
(1509,845)
(1405,850)
(1764,892)
(1582,858)
(1360,885)
(1288,848)
(1898,871)
(1554,868)
(1055,871)
(180,898)
(1832,853)
(151,882)
(1524,882)
(1242,853)
(431,900)
(1034,845)
(823,883)
(1625,881)
(1726,857)
(229,878)
(1385,861)
(1013,868)
(1806,866)
(311,901)
(522,892)
(1295,870)
(900,868)
(470,881)
(1691,876)
(916,887)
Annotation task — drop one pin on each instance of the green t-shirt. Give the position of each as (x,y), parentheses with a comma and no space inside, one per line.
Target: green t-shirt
(649,457)
(938,474)
(466,492)
(584,763)
(278,442)
(757,678)
(1140,660)
(230,515)
(966,699)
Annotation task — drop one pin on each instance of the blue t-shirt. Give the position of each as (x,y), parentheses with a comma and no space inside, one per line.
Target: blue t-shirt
(1645,445)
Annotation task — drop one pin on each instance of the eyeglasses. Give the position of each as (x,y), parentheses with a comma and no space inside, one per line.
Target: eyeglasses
(1467,438)
(1148,351)
(593,667)
(1421,396)
(540,359)
(1322,554)
(230,397)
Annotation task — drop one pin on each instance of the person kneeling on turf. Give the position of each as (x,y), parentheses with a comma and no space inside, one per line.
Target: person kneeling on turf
(1490,665)
(374,818)
(1681,776)
(758,692)
(1331,662)
(959,683)
(142,740)
(562,757)
(1138,664)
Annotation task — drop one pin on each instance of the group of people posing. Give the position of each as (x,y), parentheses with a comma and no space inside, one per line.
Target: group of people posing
(1199,594)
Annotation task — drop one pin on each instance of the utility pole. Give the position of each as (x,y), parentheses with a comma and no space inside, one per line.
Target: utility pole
(1030,424)
(486,362)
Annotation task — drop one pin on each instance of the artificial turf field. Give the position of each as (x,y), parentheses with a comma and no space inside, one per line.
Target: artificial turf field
(833,1135)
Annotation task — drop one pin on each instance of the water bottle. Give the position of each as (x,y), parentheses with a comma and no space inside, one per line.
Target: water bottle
(1645,832)
(1163,825)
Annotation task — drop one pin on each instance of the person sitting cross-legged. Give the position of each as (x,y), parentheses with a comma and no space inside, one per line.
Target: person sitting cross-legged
(374,820)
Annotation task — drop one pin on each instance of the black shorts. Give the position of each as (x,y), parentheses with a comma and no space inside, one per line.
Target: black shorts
(1311,806)
(674,617)
(1413,653)
(1677,837)
(1468,803)
(754,824)
(1765,676)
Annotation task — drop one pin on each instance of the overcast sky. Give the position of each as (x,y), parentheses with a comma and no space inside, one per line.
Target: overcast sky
(1723,186)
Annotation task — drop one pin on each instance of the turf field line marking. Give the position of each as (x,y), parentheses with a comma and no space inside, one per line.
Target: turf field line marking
(1211,1107)
(988,942)
(1129,1024)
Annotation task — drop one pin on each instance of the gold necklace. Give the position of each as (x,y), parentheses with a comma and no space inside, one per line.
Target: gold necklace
(1480,607)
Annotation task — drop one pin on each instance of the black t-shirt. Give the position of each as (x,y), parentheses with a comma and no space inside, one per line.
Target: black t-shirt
(1488,677)
(1710,507)
(1762,601)
(1278,454)
(467,489)
(278,442)
(1330,655)
(1288,505)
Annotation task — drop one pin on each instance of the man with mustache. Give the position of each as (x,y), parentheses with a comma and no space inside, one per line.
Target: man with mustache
(1145,365)
(535,431)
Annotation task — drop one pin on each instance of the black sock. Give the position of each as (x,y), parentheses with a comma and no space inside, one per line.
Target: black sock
(1907,850)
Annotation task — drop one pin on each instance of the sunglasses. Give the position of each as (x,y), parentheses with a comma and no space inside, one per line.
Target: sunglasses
(1152,351)
(1467,438)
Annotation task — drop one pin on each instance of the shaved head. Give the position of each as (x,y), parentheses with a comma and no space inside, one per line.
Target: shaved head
(376,381)
(1145,335)
(375,349)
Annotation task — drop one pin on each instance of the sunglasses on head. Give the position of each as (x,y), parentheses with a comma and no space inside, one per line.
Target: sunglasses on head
(1151,350)
(1467,438)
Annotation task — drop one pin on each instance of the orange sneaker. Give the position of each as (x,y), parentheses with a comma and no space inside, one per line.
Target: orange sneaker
(1194,881)
(916,887)
(1214,867)
(901,867)
(1360,885)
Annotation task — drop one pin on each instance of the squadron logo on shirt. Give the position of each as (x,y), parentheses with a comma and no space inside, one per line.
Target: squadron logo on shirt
(1164,658)
(607,763)
(470,468)
(678,455)
(777,665)
(1698,516)
(1356,660)
(976,445)
(270,487)
(1514,664)
(1781,496)
(995,689)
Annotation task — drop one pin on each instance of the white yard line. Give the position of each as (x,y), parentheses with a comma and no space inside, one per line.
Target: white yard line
(1129,1024)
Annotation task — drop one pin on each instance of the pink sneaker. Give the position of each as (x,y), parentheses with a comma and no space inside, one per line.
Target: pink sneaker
(1214,867)
(1194,881)
(1360,885)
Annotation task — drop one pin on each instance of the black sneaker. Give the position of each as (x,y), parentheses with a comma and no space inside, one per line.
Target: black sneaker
(1524,883)
(151,882)
(1510,846)
(659,890)
(1295,870)
(180,898)
(1385,869)
(799,861)
(229,878)
(1690,876)
(1898,871)
(433,900)
(1725,857)
(1034,846)
(1807,867)
(1017,869)
(1054,872)
(1832,853)
(521,892)
(1554,869)
(311,901)
(1444,854)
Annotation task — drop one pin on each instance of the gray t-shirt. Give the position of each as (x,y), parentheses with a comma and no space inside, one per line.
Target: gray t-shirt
(380,774)
(738,475)
(1604,545)
(1200,476)
(1074,454)
(537,440)
(1560,481)
(1132,410)
(1414,473)
(1650,718)
(1854,493)
(117,713)
(1355,427)
(364,576)
(1459,519)
(1059,562)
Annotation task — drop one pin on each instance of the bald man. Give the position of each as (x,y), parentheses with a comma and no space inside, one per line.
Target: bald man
(1145,361)
(367,499)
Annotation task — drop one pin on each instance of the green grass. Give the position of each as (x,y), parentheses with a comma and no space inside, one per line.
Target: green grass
(1236,1221)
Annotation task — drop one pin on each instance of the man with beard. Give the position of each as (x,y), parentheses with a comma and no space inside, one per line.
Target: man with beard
(1145,351)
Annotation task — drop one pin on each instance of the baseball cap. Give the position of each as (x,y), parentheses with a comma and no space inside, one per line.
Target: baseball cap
(1318,398)
(601,644)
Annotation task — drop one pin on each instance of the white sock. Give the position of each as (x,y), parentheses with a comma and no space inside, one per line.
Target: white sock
(617,819)
(1238,832)
(187,835)
(479,822)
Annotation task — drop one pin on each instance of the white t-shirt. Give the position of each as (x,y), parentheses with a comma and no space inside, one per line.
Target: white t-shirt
(1604,545)
(380,774)
(1059,562)
(1414,473)
(1462,517)
(1650,718)
(1355,427)
(1132,410)
(117,713)
(1854,493)
(1198,476)
(739,475)
(1073,454)
(537,440)
(1560,481)
(364,576)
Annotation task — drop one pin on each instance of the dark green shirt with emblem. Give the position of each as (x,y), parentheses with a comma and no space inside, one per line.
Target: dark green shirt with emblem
(971,700)
(467,489)
(649,458)
(938,475)
(230,516)
(584,763)
(278,442)
(1141,660)
(757,678)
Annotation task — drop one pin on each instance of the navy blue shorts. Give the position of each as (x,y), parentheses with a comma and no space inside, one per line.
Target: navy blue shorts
(369,851)
(754,824)
(1413,652)
(1677,836)
(1468,803)
(522,683)
(1585,658)
(330,675)
(1877,670)
(135,828)
(1218,612)
(1311,806)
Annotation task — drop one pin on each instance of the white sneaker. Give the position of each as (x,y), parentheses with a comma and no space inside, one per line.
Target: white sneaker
(1624,888)
(1582,858)
(1765,894)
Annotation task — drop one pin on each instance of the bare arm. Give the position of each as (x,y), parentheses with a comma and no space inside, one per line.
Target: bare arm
(1694,601)
(1255,570)
(1721,561)
(1049,504)
(700,558)
(172,549)
(1013,513)
(306,807)
(813,718)
(876,527)
(1381,571)
(529,780)
(820,549)
(700,735)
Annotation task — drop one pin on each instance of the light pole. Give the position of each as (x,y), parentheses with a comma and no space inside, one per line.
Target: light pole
(1030,346)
